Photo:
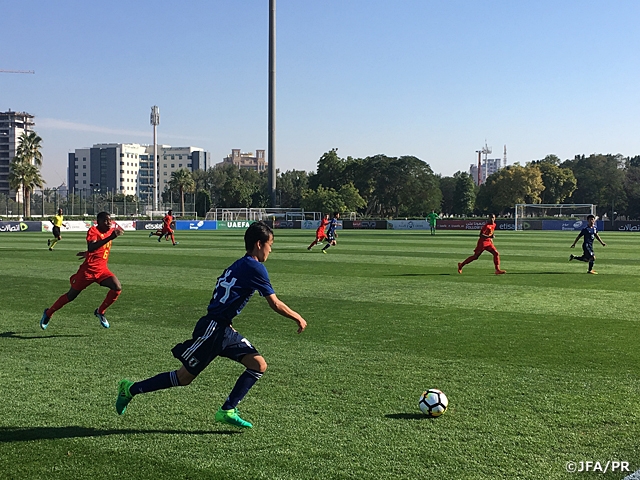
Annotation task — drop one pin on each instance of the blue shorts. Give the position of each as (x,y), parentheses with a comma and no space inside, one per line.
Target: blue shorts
(587,251)
(331,236)
(211,340)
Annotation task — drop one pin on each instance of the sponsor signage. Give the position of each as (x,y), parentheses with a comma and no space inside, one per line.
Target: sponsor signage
(408,225)
(126,225)
(365,224)
(460,224)
(628,226)
(11,227)
(571,225)
(69,226)
(195,225)
(149,225)
(314,224)
(287,224)
(235,225)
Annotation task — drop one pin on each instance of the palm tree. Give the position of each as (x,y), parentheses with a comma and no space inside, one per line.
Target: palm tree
(24,177)
(24,170)
(29,149)
(182,181)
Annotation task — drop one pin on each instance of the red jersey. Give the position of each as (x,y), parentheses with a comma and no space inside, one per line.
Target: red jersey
(166,222)
(96,261)
(487,230)
(323,223)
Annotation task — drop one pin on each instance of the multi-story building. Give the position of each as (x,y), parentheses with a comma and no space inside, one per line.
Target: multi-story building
(245,160)
(12,125)
(128,168)
(488,167)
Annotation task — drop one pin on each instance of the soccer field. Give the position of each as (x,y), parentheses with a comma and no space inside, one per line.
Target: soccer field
(540,365)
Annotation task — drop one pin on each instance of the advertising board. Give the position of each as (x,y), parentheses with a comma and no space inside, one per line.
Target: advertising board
(196,225)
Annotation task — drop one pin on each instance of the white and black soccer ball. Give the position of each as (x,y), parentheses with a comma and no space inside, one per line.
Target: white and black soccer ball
(433,402)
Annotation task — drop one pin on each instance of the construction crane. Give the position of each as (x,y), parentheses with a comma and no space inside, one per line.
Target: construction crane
(17,71)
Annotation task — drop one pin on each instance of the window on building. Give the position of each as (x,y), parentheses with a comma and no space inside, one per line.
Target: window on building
(173,165)
(84,174)
(165,165)
(165,174)
(173,157)
(189,165)
(76,174)
(165,181)
(84,159)
(84,182)
(179,165)
(76,166)
(84,166)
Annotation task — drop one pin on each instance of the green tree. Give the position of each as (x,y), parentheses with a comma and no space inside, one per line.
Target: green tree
(447,189)
(509,186)
(464,194)
(291,185)
(559,183)
(351,198)
(203,202)
(323,200)
(181,182)
(600,180)
(330,173)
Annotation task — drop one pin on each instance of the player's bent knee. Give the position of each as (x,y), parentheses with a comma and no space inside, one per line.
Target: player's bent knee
(184,377)
(255,362)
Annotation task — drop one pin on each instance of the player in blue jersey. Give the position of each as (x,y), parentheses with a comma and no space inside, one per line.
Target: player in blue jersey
(331,232)
(588,234)
(213,335)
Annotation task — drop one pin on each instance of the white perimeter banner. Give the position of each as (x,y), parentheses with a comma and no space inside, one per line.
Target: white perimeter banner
(84,225)
(71,226)
(407,225)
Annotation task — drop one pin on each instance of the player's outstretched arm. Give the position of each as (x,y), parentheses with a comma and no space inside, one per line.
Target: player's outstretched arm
(280,307)
(576,240)
(601,242)
(92,246)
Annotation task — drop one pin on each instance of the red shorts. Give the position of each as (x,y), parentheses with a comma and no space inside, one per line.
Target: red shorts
(485,248)
(83,278)
(166,231)
(320,236)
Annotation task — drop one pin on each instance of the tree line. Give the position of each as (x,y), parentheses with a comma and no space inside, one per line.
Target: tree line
(387,187)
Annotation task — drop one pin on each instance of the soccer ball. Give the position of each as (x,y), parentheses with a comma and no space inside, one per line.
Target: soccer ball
(433,402)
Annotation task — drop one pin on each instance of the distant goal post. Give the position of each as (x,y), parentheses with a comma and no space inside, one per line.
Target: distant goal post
(560,211)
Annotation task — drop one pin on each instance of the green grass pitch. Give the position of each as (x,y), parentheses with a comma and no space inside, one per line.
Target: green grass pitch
(541,366)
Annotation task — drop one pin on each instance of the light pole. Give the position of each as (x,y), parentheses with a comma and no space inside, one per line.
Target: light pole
(272,102)
(95,187)
(155,121)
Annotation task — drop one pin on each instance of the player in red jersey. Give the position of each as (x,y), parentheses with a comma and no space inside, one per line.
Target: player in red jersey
(93,270)
(485,242)
(320,234)
(167,222)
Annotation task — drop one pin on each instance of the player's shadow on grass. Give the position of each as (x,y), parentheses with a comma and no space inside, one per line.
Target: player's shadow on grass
(408,416)
(18,434)
(20,336)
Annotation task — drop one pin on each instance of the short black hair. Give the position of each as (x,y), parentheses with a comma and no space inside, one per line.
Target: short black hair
(335,214)
(257,232)
(102,216)
(591,216)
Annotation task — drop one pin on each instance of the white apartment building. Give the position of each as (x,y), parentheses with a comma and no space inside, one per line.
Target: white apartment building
(488,167)
(128,168)
(12,125)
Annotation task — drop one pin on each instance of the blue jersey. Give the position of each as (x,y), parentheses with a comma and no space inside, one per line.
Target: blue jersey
(235,287)
(589,233)
(333,224)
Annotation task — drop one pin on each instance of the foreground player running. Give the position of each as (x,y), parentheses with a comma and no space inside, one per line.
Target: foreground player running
(485,243)
(320,235)
(213,335)
(93,270)
(331,232)
(57,221)
(588,234)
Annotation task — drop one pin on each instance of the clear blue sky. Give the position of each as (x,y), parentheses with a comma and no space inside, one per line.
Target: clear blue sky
(432,79)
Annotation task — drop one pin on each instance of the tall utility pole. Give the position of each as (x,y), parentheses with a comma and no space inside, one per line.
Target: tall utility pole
(479,152)
(155,121)
(272,102)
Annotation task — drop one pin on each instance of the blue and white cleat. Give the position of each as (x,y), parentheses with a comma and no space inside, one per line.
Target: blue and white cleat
(103,320)
(44,321)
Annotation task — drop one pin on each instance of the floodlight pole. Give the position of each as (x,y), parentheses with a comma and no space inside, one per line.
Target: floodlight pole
(155,121)
(272,102)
